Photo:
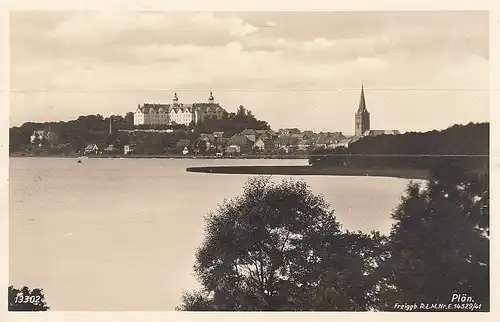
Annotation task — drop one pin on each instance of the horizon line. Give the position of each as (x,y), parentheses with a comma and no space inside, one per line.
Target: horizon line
(257,89)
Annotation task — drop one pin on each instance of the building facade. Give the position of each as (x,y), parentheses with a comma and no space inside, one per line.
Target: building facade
(177,113)
(362,116)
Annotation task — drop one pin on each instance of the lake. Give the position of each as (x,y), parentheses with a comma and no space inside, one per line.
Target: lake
(111,234)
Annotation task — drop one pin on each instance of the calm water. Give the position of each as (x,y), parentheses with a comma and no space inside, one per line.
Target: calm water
(112,234)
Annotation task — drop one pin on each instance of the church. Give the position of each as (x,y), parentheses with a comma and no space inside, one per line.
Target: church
(362,120)
(362,126)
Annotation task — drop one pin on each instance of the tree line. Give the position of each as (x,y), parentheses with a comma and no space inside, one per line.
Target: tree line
(73,136)
(460,145)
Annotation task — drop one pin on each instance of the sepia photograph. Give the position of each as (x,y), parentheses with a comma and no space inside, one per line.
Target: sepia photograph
(249,161)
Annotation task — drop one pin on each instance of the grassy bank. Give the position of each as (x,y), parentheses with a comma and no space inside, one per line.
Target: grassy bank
(308,170)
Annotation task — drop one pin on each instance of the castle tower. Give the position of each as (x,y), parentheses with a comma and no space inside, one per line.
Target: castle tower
(362,116)
(176,99)
(211,98)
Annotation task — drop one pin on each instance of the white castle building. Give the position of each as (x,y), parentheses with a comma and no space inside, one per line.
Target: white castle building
(178,113)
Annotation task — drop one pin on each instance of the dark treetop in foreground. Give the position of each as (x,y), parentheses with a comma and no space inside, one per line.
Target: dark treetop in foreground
(26,299)
(279,247)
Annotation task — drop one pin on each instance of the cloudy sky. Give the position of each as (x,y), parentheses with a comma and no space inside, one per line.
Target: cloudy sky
(421,70)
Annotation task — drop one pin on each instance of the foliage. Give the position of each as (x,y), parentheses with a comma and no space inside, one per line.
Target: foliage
(74,135)
(279,247)
(26,299)
(401,150)
(232,123)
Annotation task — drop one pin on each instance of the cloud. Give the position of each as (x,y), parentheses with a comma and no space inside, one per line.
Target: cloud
(116,52)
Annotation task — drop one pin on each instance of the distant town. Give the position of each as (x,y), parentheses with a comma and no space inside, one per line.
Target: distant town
(200,128)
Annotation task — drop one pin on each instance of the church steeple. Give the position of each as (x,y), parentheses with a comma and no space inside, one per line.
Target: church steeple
(362,116)
(176,99)
(362,102)
(211,98)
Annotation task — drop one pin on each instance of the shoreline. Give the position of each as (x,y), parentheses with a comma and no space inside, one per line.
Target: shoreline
(165,156)
(411,174)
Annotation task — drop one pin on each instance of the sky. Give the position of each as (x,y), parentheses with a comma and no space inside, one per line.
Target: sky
(420,70)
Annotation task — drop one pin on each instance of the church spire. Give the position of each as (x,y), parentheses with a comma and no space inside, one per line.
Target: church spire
(362,116)
(176,99)
(211,98)
(362,102)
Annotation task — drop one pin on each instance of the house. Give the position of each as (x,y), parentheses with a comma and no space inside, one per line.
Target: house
(251,134)
(233,149)
(37,135)
(289,131)
(259,145)
(111,149)
(308,135)
(242,141)
(304,144)
(91,149)
(347,141)
(127,149)
(272,133)
(328,140)
(322,141)
(204,144)
(41,135)
(251,137)
(248,132)
(266,134)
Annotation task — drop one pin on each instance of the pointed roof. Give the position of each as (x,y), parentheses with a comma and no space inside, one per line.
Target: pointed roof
(362,102)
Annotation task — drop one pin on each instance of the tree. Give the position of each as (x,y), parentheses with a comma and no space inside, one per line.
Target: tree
(129,119)
(279,247)
(400,151)
(26,299)
(439,244)
(202,146)
(241,112)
